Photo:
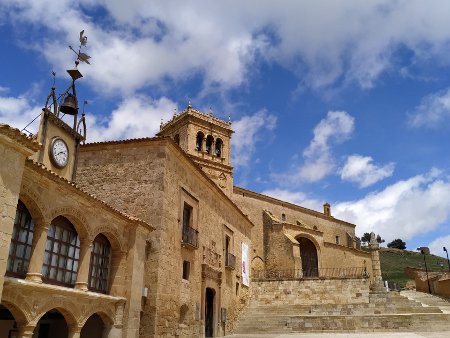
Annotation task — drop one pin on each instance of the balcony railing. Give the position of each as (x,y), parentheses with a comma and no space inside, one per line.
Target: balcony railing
(230,261)
(189,237)
(324,273)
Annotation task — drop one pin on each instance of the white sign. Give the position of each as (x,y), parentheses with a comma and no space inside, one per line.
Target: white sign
(245,266)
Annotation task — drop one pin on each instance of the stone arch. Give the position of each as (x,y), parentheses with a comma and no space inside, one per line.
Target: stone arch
(62,306)
(107,318)
(309,256)
(257,263)
(209,144)
(199,141)
(33,207)
(117,242)
(75,217)
(20,316)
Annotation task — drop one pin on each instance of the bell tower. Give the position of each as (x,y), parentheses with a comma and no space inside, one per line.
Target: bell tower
(59,141)
(207,140)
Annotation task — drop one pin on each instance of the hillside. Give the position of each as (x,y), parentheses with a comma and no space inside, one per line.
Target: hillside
(394,262)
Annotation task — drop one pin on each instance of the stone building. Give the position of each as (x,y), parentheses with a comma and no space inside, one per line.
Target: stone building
(147,237)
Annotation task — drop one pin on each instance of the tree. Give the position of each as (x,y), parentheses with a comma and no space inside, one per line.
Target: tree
(365,238)
(397,244)
(379,239)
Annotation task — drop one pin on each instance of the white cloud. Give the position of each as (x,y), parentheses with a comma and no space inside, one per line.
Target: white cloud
(437,245)
(432,110)
(19,111)
(361,170)
(135,117)
(403,210)
(295,197)
(247,133)
(335,128)
(323,42)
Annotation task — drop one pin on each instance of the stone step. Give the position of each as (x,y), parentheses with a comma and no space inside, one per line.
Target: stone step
(391,322)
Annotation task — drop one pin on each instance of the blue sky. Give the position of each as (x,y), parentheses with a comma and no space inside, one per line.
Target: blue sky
(339,101)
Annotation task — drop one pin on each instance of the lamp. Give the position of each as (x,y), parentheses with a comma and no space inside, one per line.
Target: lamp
(423,251)
(445,249)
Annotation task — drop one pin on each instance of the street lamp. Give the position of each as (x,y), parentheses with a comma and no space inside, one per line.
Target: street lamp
(445,249)
(423,251)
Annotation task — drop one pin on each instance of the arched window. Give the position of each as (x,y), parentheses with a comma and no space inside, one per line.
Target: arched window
(62,253)
(21,240)
(209,142)
(99,265)
(199,141)
(218,150)
(176,138)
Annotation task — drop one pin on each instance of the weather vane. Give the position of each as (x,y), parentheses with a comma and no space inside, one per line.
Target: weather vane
(83,57)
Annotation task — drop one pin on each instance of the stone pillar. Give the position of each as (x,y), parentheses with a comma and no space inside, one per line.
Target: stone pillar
(74,331)
(37,256)
(26,331)
(83,269)
(14,149)
(374,248)
(113,332)
(135,283)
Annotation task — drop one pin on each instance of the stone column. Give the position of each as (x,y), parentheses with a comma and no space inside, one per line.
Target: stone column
(37,256)
(74,331)
(83,269)
(374,248)
(26,331)
(112,332)
(14,149)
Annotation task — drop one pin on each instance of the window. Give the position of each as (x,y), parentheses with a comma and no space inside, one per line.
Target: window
(338,240)
(62,253)
(209,142)
(99,264)
(199,141)
(186,269)
(230,259)
(21,240)
(283,217)
(218,150)
(189,235)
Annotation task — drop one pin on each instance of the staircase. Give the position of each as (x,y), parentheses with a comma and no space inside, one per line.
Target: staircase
(393,311)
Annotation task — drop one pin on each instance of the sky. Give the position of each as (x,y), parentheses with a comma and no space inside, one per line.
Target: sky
(346,102)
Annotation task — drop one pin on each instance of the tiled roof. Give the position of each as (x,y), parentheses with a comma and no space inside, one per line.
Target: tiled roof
(19,137)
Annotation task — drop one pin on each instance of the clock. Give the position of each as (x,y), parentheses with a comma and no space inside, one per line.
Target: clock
(59,152)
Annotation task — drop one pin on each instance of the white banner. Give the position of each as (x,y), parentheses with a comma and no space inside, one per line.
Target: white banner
(245,266)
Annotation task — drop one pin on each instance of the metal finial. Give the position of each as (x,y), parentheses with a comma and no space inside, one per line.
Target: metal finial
(84,105)
(210,110)
(54,79)
(229,118)
(189,106)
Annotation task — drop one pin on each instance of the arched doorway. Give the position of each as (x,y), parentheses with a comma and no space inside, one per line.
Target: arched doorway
(8,325)
(52,324)
(94,327)
(209,312)
(308,254)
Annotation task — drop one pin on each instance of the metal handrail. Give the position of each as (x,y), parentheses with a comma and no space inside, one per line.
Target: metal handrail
(323,273)
(230,261)
(190,237)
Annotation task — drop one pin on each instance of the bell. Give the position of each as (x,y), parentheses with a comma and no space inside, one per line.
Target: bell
(69,106)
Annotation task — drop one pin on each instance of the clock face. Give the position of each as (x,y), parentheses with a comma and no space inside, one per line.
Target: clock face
(59,152)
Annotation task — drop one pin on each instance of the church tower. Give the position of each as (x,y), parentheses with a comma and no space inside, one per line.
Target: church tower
(207,140)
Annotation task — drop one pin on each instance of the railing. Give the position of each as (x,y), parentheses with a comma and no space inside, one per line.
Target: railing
(190,237)
(230,261)
(324,273)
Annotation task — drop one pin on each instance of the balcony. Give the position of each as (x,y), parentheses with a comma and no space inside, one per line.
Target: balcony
(189,237)
(230,261)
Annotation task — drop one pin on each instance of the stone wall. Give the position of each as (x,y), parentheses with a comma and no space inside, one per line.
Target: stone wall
(152,179)
(253,205)
(310,292)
